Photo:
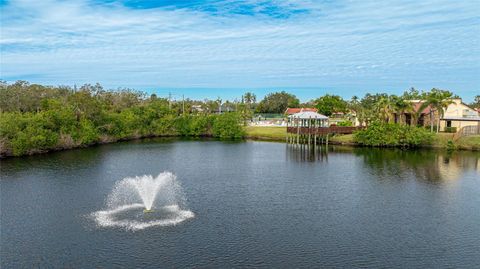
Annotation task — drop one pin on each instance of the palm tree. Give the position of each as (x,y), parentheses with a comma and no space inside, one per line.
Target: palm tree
(355,108)
(442,106)
(250,98)
(384,108)
(438,101)
(402,106)
(432,101)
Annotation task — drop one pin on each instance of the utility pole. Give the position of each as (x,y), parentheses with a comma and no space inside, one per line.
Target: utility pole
(169,100)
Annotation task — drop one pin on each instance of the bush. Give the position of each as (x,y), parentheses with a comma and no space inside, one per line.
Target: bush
(200,125)
(451,145)
(88,133)
(393,135)
(346,123)
(33,139)
(164,126)
(450,129)
(228,125)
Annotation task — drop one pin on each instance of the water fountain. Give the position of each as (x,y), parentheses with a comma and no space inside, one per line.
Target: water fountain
(144,201)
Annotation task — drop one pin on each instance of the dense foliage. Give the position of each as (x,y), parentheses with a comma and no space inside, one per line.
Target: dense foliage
(277,102)
(329,104)
(382,134)
(476,102)
(36,118)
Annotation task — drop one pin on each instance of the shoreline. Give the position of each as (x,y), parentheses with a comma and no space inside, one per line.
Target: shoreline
(277,134)
(335,140)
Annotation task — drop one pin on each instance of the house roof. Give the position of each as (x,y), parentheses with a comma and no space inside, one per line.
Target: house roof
(418,104)
(462,118)
(308,115)
(291,111)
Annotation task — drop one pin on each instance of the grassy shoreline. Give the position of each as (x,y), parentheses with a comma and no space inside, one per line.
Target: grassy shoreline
(277,134)
(441,140)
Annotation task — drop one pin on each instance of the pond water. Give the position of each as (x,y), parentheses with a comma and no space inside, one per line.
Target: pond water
(252,204)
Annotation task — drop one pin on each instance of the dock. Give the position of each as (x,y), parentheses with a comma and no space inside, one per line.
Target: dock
(310,128)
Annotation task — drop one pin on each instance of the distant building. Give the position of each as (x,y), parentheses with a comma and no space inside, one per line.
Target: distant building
(456,115)
(459,115)
(291,111)
(197,108)
(304,118)
(417,116)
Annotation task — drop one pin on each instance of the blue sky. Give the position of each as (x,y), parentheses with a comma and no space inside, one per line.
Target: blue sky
(210,48)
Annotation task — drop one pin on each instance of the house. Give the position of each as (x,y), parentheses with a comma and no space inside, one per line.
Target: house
(459,115)
(419,115)
(340,117)
(290,111)
(197,108)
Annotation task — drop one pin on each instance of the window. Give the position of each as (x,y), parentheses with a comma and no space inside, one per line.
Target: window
(449,123)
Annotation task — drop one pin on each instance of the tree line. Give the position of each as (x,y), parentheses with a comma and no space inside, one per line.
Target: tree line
(36,118)
(383,107)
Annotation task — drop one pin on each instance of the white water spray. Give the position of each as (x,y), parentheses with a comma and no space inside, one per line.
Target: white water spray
(161,196)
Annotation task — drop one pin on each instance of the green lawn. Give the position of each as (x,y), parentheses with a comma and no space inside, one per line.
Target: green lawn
(469,142)
(279,133)
(266,133)
(441,139)
(343,139)
(466,142)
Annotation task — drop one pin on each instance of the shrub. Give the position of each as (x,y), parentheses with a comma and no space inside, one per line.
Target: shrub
(88,133)
(228,125)
(201,125)
(345,123)
(450,129)
(32,139)
(393,135)
(451,145)
(164,126)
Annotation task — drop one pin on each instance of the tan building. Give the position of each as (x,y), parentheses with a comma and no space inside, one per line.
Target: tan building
(459,115)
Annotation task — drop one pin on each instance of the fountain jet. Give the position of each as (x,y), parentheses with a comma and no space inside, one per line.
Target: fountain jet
(162,194)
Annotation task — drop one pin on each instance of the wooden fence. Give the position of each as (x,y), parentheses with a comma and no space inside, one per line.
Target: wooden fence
(467,131)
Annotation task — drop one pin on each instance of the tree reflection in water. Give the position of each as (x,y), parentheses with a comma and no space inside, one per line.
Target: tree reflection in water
(432,166)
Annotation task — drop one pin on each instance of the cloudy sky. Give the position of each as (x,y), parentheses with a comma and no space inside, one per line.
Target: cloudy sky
(210,48)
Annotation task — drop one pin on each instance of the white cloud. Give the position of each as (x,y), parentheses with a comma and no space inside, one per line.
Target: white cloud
(364,43)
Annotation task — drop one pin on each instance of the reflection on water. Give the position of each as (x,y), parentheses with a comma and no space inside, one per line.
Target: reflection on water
(428,165)
(256,204)
(305,153)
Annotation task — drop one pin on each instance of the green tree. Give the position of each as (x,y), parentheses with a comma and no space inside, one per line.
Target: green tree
(228,125)
(384,107)
(249,98)
(413,94)
(277,102)
(381,134)
(476,102)
(438,100)
(402,106)
(329,104)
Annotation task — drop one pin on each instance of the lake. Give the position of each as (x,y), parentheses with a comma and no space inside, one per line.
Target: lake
(255,204)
